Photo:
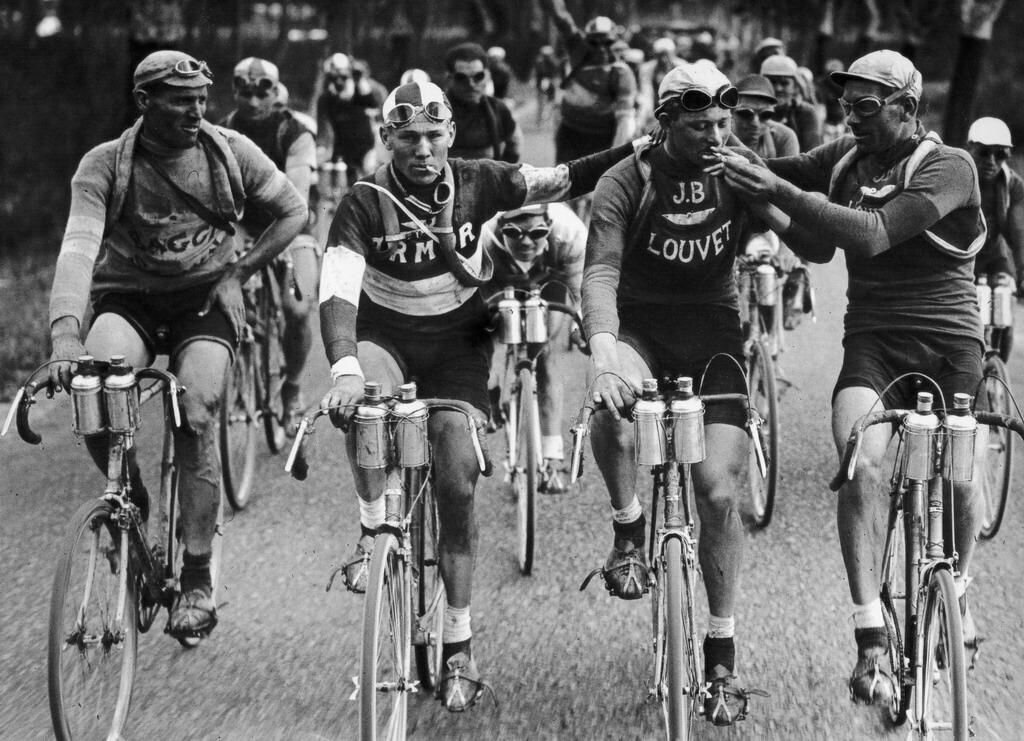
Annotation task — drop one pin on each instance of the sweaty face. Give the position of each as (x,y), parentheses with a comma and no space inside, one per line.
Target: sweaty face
(521,245)
(171,115)
(785,89)
(873,133)
(420,150)
(254,103)
(468,81)
(747,121)
(690,136)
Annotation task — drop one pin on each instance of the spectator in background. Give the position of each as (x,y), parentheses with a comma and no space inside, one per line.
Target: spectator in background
(345,112)
(704,47)
(547,73)
(797,114)
(768,47)
(501,72)
(753,120)
(484,127)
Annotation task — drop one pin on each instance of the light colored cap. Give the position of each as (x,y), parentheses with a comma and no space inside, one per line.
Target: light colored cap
(602,25)
(664,45)
(496,52)
(172,68)
(417,94)
(991,132)
(534,209)
(282,95)
(757,86)
(769,43)
(779,65)
(633,56)
(702,75)
(254,68)
(885,67)
(414,75)
(338,63)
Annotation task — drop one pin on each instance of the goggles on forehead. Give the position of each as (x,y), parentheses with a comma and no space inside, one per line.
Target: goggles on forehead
(748,114)
(871,105)
(999,154)
(192,68)
(697,99)
(261,87)
(537,233)
(404,113)
(465,79)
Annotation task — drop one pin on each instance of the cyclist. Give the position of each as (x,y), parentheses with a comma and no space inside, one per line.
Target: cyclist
(484,123)
(399,298)
(282,102)
(148,236)
(501,73)
(540,246)
(546,72)
(344,112)
(796,113)
(292,147)
(910,248)
(659,299)
(652,73)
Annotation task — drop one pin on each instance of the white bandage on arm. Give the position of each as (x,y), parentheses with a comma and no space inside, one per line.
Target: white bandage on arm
(342,275)
(347,366)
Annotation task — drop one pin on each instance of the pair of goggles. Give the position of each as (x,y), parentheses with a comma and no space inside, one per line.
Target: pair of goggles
(247,87)
(999,154)
(192,68)
(870,105)
(749,114)
(697,99)
(404,113)
(537,233)
(464,79)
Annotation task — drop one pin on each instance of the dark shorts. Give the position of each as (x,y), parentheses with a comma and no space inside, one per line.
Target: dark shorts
(167,322)
(445,367)
(874,359)
(681,341)
(571,144)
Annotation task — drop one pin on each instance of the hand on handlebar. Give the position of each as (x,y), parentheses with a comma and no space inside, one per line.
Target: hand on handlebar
(67,348)
(346,392)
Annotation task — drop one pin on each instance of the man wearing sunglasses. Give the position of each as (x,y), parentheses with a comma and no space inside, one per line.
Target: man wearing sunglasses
(400,299)
(148,244)
(540,246)
(256,86)
(346,108)
(906,211)
(660,299)
(486,128)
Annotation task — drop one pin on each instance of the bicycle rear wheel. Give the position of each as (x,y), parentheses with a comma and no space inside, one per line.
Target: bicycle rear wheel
(677,681)
(526,474)
(91,654)
(270,330)
(428,590)
(995,483)
(942,685)
(384,682)
(764,397)
(237,435)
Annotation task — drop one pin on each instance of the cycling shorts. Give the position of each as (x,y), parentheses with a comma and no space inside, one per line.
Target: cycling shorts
(453,367)
(167,322)
(874,359)
(679,341)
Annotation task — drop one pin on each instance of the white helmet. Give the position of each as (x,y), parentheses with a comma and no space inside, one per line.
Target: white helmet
(338,64)
(991,132)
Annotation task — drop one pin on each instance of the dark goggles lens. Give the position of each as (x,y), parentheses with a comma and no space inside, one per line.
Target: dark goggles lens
(536,234)
(748,114)
(600,41)
(403,113)
(464,79)
(696,99)
(999,154)
(247,87)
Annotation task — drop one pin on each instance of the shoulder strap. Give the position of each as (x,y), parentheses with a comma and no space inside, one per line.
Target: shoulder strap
(643,210)
(491,116)
(190,200)
(925,147)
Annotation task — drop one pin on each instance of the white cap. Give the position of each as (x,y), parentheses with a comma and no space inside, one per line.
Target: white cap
(991,132)
(254,68)
(338,63)
(664,45)
(778,65)
(414,75)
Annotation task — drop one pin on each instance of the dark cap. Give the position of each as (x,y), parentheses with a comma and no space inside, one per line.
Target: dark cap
(758,87)
(172,68)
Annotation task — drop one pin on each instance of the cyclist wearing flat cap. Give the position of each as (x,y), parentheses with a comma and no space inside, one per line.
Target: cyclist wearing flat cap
(906,211)
(797,114)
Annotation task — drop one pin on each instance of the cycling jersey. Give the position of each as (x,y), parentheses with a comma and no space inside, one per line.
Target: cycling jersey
(1003,204)
(352,129)
(593,96)
(802,118)
(484,130)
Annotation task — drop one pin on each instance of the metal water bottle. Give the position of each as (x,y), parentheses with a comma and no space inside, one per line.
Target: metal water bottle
(649,426)
(372,441)
(1002,305)
(536,313)
(921,427)
(766,285)
(121,395)
(86,395)
(686,412)
(984,300)
(410,420)
(510,312)
(960,429)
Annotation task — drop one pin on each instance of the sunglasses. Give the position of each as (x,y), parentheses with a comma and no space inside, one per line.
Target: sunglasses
(870,105)
(748,114)
(536,234)
(696,99)
(999,154)
(403,113)
(339,79)
(464,79)
(600,41)
(260,87)
(192,68)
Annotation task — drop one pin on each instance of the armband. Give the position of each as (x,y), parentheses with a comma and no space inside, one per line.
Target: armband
(346,366)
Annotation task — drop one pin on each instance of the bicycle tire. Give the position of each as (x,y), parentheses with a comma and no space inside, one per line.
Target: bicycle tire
(270,331)
(764,397)
(892,594)
(677,670)
(90,659)
(429,593)
(998,473)
(941,687)
(384,654)
(237,433)
(526,473)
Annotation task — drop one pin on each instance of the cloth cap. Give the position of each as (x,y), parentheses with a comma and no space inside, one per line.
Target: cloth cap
(160,66)
(534,209)
(769,43)
(282,95)
(633,56)
(757,86)
(600,26)
(338,64)
(254,68)
(885,67)
(417,94)
(664,45)
(496,52)
(414,75)
(991,132)
(778,65)
(702,74)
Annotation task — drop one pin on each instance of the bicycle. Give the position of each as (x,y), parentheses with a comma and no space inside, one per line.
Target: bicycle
(669,438)
(252,390)
(111,581)
(523,328)
(405,595)
(760,286)
(919,561)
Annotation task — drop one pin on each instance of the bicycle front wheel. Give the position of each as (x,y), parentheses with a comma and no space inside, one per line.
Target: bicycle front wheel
(384,682)
(942,684)
(237,435)
(428,588)
(893,596)
(764,398)
(93,636)
(677,680)
(526,473)
(271,365)
(995,482)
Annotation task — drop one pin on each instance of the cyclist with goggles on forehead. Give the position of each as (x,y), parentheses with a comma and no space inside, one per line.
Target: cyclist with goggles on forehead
(256,86)
(148,244)
(659,299)
(345,111)
(400,299)
(906,210)
(540,246)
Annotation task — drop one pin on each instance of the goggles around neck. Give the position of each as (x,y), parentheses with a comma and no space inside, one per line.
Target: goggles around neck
(871,105)
(698,99)
(246,87)
(537,233)
(748,114)
(403,113)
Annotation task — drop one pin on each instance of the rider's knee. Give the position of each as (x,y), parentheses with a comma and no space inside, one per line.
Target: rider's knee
(200,409)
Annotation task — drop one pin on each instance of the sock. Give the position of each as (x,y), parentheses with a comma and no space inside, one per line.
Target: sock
(551,447)
(371,514)
(456,624)
(719,652)
(631,530)
(868,616)
(629,513)
(721,627)
(195,573)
